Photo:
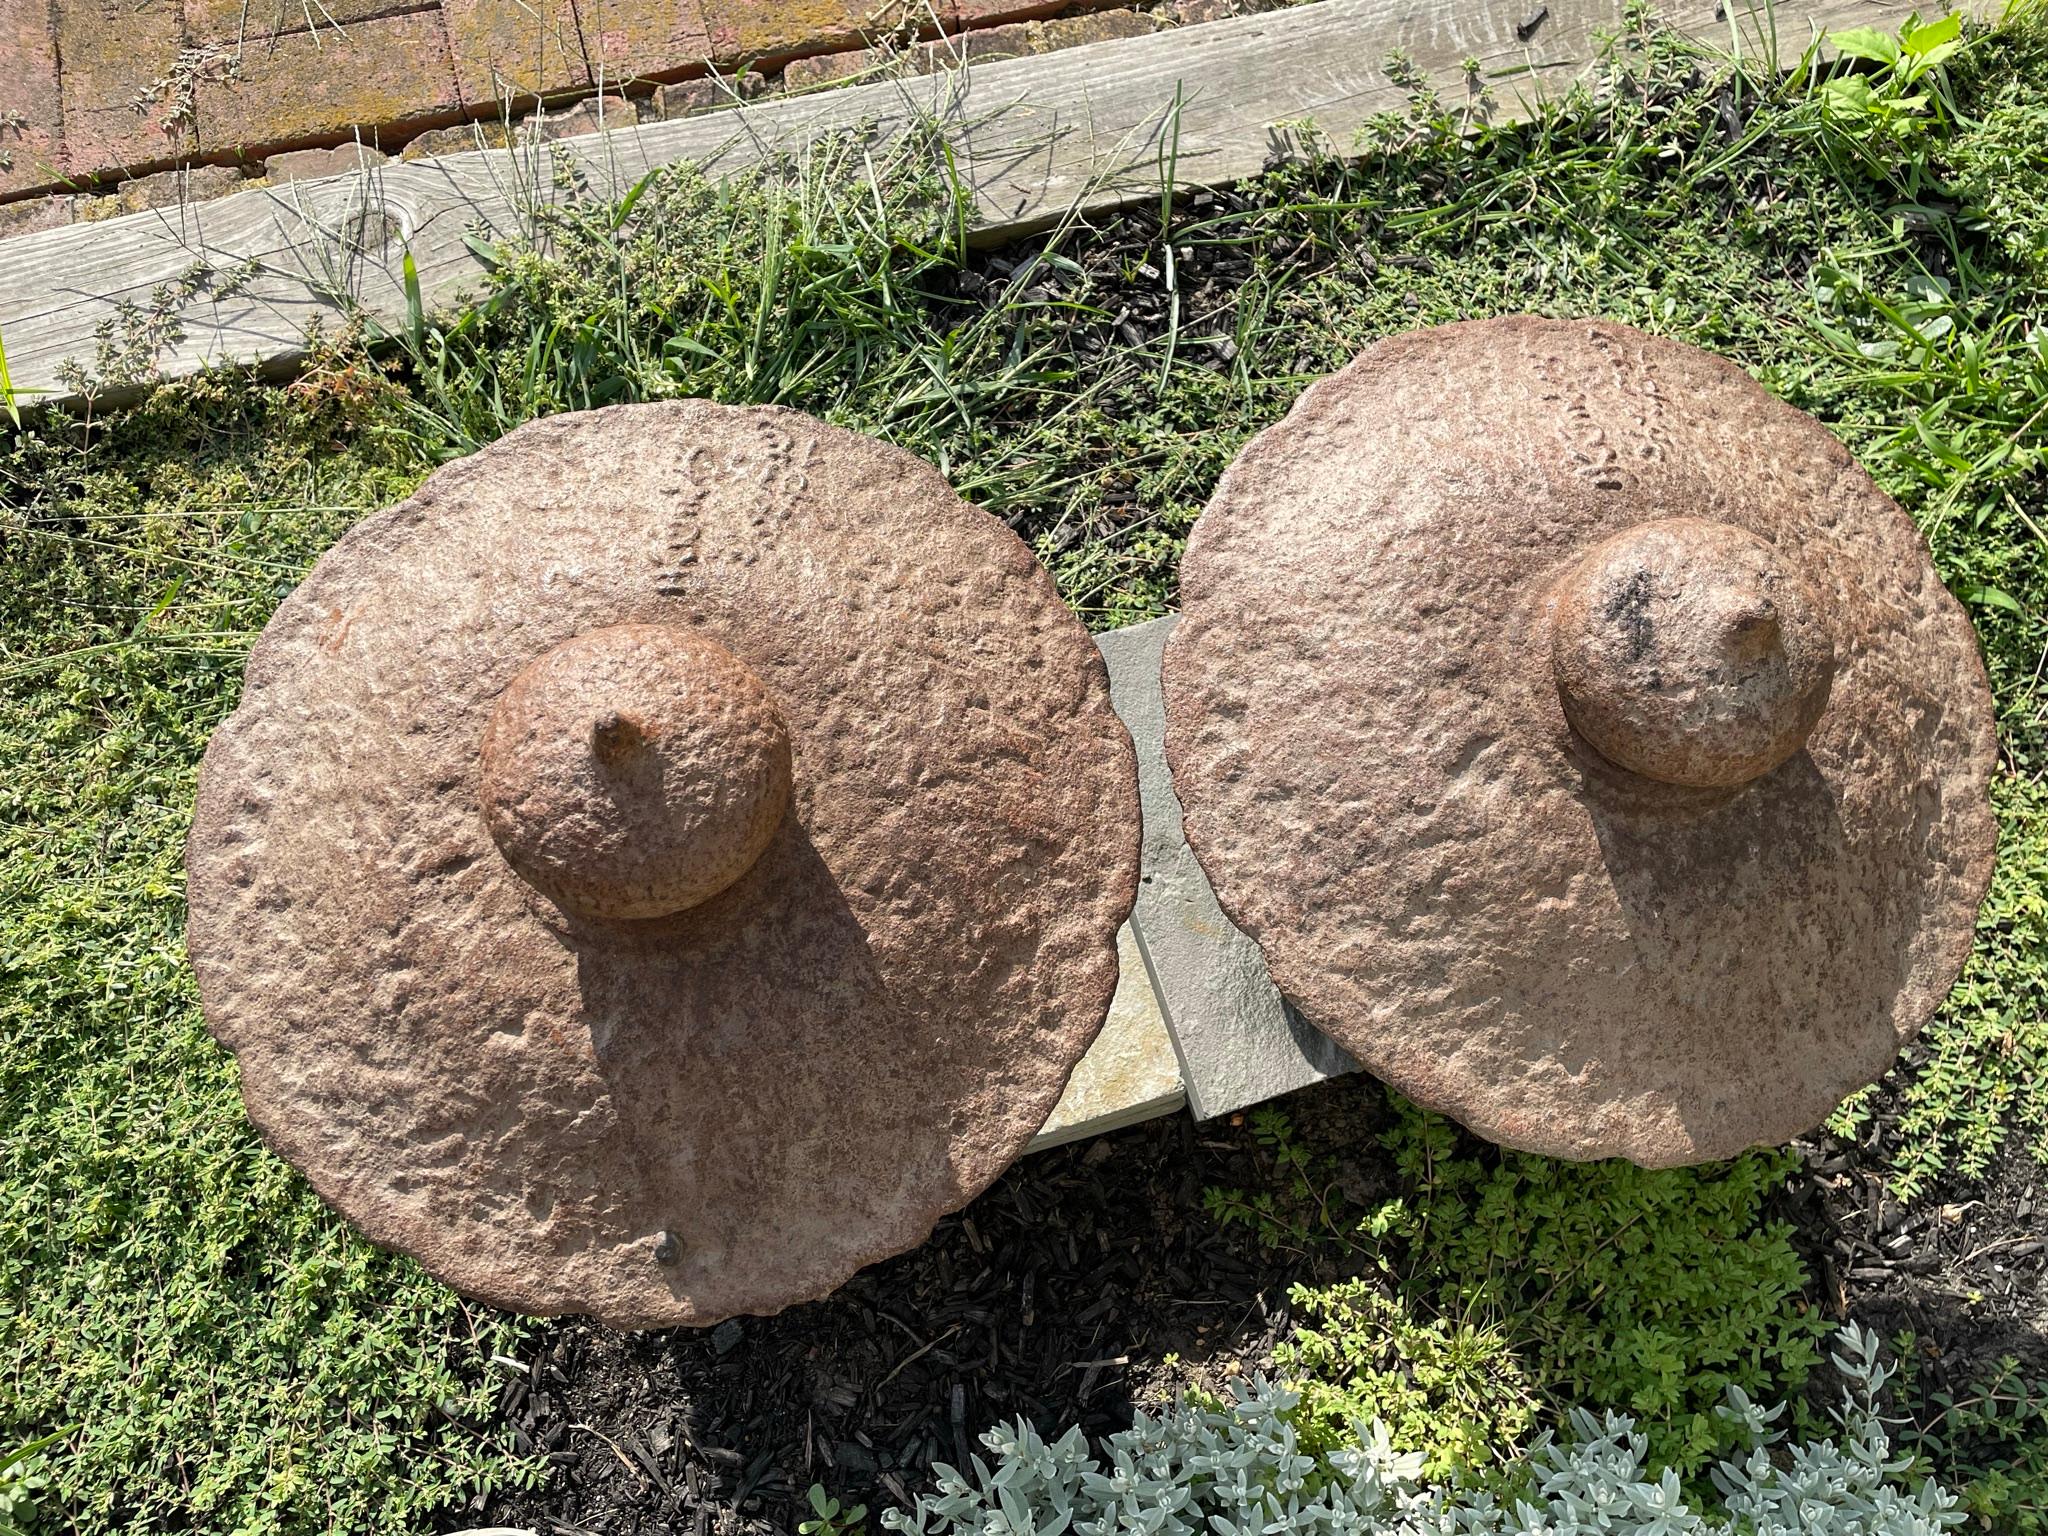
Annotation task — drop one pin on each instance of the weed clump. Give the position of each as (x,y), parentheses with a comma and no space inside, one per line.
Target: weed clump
(1452,1390)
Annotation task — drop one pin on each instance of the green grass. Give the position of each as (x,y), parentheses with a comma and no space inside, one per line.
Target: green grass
(233,1358)
(1989,1442)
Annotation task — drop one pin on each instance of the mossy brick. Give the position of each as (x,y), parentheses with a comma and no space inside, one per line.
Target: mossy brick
(33,214)
(708,93)
(1018,17)
(125,86)
(1015,40)
(243,22)
(635,39)
(831,68)
(460,140)
(515,49)
(1099,27)
(330,83)
(984,45)
(164,190)
(752,29)
(687,98)
(594,114)
(31,138)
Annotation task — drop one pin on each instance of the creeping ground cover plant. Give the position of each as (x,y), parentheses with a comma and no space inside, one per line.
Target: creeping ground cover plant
(195,1343)
(1238,1468)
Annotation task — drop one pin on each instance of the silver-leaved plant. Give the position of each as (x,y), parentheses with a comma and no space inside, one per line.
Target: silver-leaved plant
(1238,1470)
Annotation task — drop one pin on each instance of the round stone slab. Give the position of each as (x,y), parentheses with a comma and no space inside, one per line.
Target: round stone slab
(1387,606)
(831,1035)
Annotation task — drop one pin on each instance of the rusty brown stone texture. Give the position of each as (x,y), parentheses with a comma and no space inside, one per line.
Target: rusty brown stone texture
(708,93)
(981,13)
(31,140)
(733,1108)
(687,98)
(985,45)
(237,23)
(1100,27)
(1366,729)
(823,69)
(483,134)
(633,771)
(593,114)
(626,39)
(742,30)
(311,164)
(163,191)
(30,215)
(1691,651)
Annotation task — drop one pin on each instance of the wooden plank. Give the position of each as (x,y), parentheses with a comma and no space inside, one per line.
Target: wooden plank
(1087,128)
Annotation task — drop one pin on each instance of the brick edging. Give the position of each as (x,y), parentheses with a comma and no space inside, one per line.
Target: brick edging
(266,109)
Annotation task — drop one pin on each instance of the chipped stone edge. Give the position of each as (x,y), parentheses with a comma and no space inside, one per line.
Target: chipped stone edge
(1131,1073)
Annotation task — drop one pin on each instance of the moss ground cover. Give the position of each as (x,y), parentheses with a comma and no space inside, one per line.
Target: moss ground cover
(230,1350)
(231,1357)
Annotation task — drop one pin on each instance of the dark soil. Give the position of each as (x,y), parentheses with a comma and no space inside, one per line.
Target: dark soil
(1089,1281)
(1964,1268)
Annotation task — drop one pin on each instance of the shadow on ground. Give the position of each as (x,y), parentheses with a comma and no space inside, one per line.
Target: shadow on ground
(1086,1282)
(1090,1281)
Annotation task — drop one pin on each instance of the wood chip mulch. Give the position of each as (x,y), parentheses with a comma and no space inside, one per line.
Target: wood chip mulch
(1089,1282)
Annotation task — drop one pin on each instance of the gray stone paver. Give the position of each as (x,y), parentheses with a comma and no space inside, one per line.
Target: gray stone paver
(1238,1040)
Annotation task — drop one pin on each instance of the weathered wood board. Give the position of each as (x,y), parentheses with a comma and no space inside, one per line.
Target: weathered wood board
(1034,137)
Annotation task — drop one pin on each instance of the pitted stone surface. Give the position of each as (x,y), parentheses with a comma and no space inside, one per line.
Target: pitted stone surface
(1690,651)
(1368,739)
(634,771)
(790,1080)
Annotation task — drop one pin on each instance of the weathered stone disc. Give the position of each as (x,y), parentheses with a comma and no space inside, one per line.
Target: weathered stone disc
(1367,729)
(859,1016)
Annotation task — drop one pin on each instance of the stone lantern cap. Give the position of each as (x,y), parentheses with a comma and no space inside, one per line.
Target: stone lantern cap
(665,865)
(1585,739)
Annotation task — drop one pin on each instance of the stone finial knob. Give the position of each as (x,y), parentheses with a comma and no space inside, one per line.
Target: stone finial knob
(1691,652)
(634,771)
